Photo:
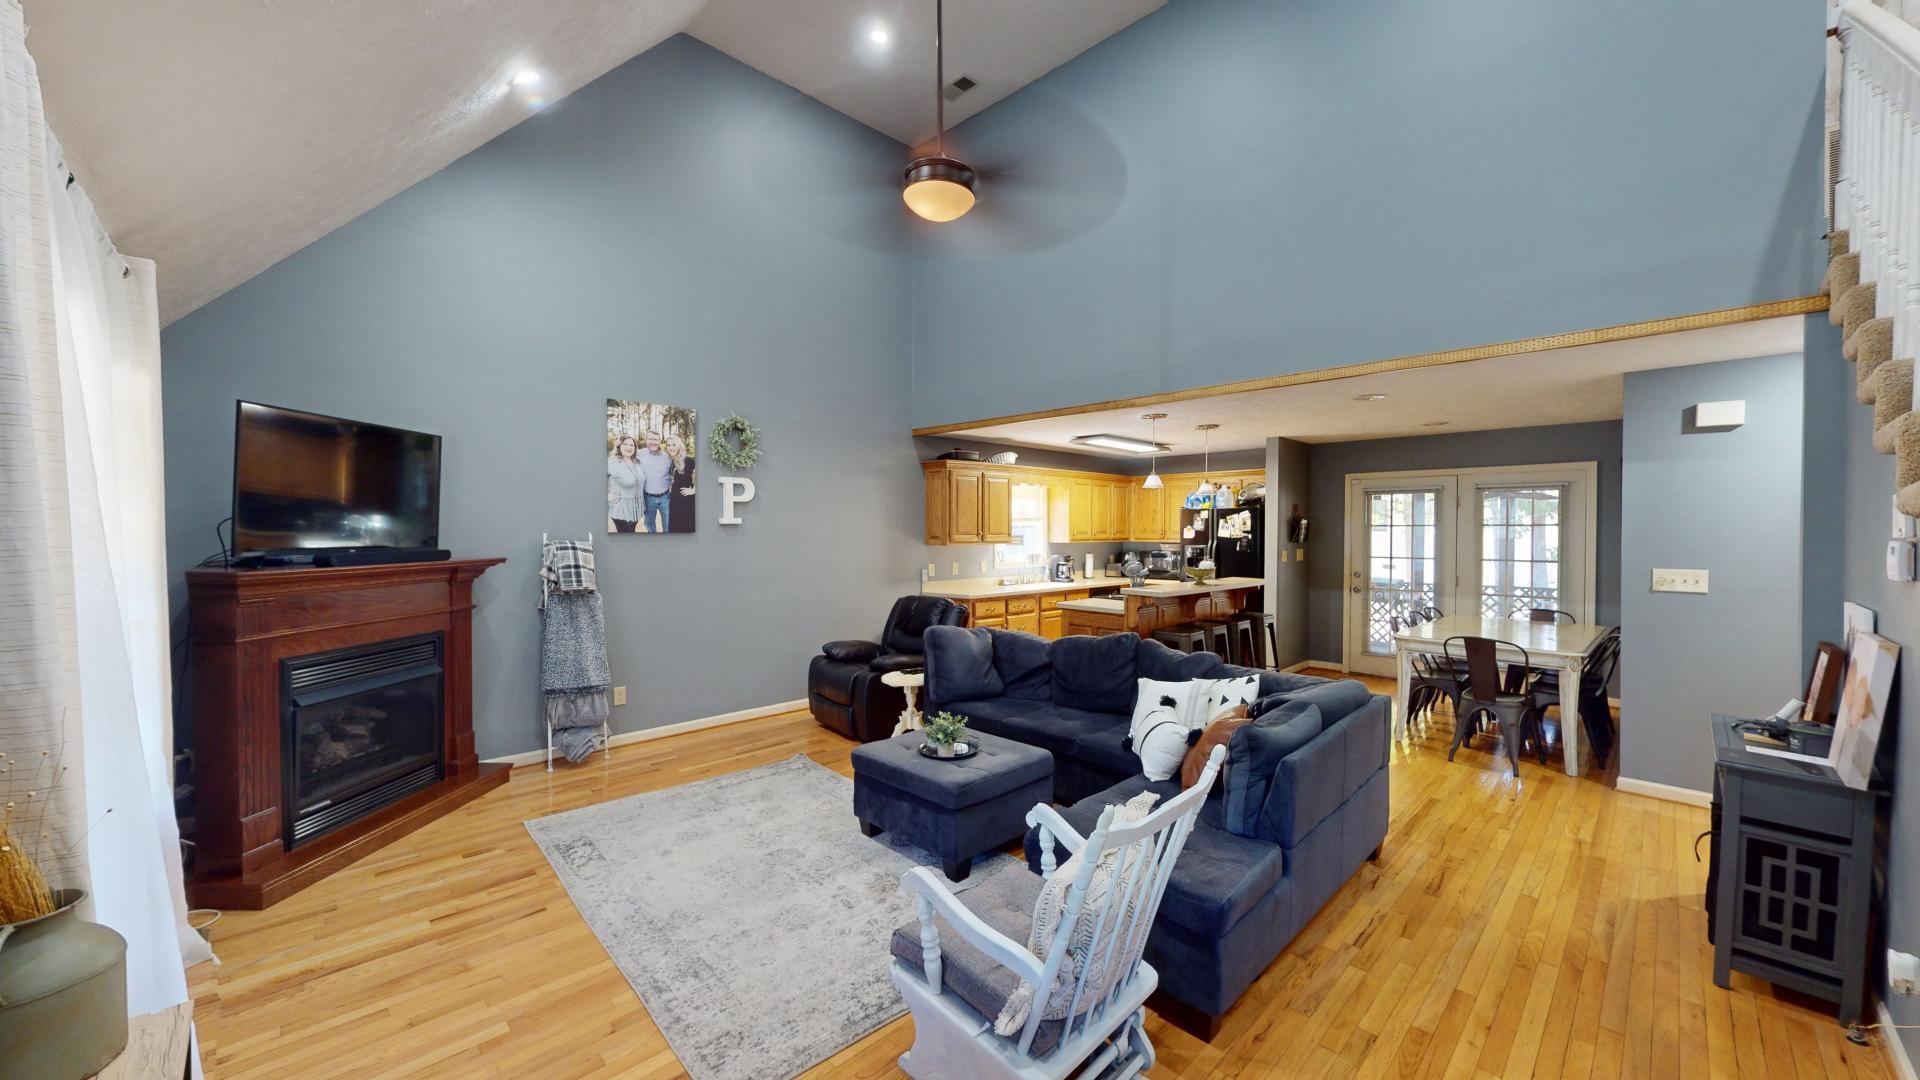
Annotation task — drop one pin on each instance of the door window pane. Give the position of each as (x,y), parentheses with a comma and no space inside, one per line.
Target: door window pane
(1402,555)
(1520,550)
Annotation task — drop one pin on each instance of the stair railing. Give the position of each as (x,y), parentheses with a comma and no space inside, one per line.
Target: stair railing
(1877,190)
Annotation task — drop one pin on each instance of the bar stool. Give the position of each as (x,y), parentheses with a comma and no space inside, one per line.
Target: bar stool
(1255,640)
(1194,637)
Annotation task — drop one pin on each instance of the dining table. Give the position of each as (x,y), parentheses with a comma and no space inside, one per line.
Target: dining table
(1560,647)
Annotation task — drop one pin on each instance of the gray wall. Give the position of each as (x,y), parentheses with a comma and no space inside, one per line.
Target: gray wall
(627,242)
(1289,481)
(1208,195)
(1332,462)
(1866,480)
(1728,502)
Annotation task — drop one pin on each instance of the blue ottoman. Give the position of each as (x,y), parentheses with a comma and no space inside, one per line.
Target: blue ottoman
(954,808)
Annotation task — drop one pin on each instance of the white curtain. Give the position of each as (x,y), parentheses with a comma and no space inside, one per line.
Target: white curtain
(98,370)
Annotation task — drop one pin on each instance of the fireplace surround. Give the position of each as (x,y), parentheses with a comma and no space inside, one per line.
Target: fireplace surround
(332,712)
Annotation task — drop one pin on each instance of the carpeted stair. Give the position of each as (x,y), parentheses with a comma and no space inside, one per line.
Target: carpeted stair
(1866,339)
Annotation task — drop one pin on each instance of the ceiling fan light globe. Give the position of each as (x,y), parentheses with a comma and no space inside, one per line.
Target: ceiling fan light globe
(938,188)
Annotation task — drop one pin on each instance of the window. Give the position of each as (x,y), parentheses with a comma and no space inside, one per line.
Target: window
(1519,550)
(1029,547)
(1402,552)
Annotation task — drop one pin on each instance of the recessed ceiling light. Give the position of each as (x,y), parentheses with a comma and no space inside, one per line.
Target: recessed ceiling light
(1369,397)
(526,78)
(879,36)
(1120,442)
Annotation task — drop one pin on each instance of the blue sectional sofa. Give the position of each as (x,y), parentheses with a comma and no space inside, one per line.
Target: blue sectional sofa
(1302,805)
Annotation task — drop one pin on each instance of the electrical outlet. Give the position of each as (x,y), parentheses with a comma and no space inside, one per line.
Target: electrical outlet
(925,574)
(983,566)
(931,570)
(1903,971)
(1679,581)
(619,695)
(956,570)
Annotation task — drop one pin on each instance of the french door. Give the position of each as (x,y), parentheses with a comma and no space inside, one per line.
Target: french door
(1401,529)
(1487,542)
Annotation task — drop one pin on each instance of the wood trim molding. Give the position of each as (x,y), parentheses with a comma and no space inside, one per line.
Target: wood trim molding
(1896,1050)
(626,738)
(1773,309)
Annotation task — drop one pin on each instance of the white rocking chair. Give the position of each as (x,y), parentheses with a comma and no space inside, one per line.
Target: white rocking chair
(1102,1035)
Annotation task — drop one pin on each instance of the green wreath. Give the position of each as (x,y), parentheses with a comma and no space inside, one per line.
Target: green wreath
(734,442)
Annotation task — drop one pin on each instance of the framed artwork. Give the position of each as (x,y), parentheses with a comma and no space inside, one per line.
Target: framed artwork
(651,475)
(1823,686)
(1863,707)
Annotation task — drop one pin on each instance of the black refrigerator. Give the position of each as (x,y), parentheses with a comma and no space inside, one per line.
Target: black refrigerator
(1234,536)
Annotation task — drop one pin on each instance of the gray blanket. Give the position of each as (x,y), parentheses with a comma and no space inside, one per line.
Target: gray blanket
(573,670)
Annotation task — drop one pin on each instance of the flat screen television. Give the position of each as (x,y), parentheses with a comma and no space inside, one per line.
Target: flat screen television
(305,483)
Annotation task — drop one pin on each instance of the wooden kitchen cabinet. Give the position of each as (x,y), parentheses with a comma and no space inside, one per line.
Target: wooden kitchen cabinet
(968,503)
(971,502)
(1023,614)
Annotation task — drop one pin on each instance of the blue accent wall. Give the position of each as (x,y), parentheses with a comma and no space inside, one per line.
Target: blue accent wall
(1231,189)
(1728,502)
(1331,463)
(683,230)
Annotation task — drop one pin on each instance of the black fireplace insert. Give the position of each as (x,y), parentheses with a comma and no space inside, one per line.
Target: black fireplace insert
(363,728)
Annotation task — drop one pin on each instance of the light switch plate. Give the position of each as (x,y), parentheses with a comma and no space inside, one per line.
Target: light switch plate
(1299,554)
(619,695)
(1680,581)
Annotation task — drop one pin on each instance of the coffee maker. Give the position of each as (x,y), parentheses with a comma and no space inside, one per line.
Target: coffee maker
(1060,568)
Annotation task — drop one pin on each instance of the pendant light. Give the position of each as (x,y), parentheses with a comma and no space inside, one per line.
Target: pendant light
(1153,481)
(937,187)
(1205,490)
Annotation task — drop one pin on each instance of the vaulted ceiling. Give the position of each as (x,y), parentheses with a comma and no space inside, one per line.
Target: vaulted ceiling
(219,138)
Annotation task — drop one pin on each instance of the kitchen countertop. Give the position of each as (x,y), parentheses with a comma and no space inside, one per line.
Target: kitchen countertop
(991,589)
(1170,588)
(1097,607)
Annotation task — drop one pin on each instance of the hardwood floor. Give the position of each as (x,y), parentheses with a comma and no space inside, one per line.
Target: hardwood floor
(1552,928)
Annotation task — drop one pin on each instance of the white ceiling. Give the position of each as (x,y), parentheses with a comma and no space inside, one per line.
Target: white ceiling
(822,48)
(217,138)
(1561,386)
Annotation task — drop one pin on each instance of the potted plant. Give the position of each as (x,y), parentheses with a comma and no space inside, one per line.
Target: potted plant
(944,731)
(63,979)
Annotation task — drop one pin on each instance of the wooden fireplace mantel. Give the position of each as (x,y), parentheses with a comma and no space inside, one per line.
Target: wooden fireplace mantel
(244,623)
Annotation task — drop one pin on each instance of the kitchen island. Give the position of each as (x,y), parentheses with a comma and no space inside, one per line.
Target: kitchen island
(1033,607)
(1145,608)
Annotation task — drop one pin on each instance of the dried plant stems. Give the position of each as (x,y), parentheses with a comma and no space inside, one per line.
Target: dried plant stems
(24,893)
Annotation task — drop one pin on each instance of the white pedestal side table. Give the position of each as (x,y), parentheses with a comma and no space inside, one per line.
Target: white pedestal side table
(909,683)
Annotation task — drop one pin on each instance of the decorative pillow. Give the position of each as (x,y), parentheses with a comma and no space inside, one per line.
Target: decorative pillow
(1103,967)
(1254,754)
(960,664)
(1223,696)
(1159,730)
(1218,733)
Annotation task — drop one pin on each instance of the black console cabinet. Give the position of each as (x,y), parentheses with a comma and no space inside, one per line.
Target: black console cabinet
(1794,878)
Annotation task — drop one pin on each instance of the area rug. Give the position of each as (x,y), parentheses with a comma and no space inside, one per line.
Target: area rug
(747,911)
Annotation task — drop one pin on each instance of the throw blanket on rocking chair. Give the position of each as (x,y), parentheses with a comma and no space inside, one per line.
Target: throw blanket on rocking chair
(1115,871)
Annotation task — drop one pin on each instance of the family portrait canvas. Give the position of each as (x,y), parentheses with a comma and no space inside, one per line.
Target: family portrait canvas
(651,479)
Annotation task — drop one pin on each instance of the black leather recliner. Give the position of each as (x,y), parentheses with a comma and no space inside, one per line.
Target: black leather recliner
(843,682)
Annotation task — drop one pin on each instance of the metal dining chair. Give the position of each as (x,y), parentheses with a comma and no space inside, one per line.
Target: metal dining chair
(1596,676)
(1483,696)
(1549,615)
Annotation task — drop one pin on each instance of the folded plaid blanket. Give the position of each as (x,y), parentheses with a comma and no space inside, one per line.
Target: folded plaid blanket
(566,566)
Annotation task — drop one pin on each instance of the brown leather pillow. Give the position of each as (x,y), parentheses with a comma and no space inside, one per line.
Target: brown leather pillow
(1216,734)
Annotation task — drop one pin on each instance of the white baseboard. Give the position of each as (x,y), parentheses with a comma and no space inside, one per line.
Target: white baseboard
(1664,792)
(1303,665)
(1896,1050)
(624,738)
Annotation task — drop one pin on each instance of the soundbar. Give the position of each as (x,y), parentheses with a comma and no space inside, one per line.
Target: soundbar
(379,556)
